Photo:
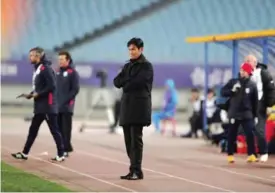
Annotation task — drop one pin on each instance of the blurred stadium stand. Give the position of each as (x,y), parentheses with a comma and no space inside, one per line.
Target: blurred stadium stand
(162,24)
(163,31)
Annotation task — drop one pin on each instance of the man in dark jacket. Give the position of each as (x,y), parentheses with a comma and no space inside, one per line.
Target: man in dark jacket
(266,99)
(67,89)
(45,104)
(135,79)
(243,110)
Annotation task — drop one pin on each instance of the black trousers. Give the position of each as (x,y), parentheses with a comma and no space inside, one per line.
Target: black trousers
(51,120)
(248,127)
(260,134)
(65,125)
(134,146)
(116,110)
(195,123)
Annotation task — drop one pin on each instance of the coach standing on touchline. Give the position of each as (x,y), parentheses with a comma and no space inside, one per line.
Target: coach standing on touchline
(266,97)
(135,79)
(45,104)
(67,89)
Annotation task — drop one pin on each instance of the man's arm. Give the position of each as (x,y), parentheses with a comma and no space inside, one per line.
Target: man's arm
(49,77)
(268,88)
(74,81)
(138,81)
(255,101)
(120,79)
(226,90)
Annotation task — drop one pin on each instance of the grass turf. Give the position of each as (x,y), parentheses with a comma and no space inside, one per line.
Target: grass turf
(15,180)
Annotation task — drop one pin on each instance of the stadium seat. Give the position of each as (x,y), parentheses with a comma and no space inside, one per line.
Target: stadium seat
(173,123)
(49,23)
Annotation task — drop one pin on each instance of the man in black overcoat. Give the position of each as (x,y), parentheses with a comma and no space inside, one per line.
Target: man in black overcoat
(135,79)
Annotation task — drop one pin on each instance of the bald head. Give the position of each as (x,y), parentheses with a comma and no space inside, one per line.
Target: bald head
(251,59)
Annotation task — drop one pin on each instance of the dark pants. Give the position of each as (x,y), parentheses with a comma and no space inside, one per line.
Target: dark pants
(116,110)
(195,123)
(134,146)
(51,120)
(260,134)
(65,125)
(248,127)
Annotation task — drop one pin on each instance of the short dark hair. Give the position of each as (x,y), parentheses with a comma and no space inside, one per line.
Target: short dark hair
(66,54)
(136,41)
(194,90)
(211,90)
(39,50)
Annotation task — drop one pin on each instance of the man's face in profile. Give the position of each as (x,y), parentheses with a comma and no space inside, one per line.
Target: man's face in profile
(134,51)
(33,56)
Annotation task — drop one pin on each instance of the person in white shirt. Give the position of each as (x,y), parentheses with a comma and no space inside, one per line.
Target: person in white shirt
(195,119)
(266,96)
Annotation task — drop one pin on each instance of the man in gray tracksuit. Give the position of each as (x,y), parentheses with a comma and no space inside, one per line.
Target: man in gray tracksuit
(266,98)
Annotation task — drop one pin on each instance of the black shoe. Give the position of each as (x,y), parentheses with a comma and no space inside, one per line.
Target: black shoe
(132,176)
(126,177)
(187,135)
(19,155)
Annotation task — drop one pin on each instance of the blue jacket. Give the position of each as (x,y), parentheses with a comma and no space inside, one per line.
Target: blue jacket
(171,98)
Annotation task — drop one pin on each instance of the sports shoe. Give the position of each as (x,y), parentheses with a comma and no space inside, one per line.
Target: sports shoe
(230,159)
(66,154)
(264,158)
(251,158)
(58,159)
(20,155)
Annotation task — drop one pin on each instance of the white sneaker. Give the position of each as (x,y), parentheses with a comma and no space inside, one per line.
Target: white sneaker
(58,159)
(264,158)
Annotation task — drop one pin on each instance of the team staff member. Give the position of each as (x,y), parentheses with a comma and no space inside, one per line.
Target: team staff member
(67,90)
(116,107)
(45,104)
(135,79)
(266,99)
(243,110)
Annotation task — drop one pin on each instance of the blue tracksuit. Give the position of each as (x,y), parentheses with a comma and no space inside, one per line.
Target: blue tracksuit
(171,101)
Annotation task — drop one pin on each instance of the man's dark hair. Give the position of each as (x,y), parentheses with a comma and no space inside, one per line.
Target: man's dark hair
(211,90)
(194,90)
(137,42)
(38,50)
(66,54)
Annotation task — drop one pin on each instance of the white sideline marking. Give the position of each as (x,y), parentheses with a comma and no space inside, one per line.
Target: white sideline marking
(77,172)
(156,172)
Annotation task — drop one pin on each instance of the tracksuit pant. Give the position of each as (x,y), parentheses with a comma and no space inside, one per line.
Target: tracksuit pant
(260,134)
(134,147)
(116,110)
(158,116)
(65,125)
(51,120)
(248,126)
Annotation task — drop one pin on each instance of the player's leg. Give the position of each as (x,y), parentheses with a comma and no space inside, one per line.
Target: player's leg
(67,130)
(137,151)
(231,139)
(260,134)
(55,131)
(248,127)
(127,141)
(33,131)
(157,117)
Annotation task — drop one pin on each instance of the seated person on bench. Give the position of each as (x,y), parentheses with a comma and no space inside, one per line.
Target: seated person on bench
(195,119)
(212,114)
(171,101)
